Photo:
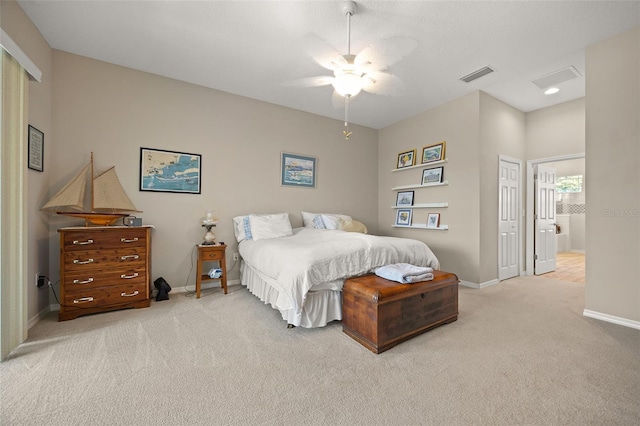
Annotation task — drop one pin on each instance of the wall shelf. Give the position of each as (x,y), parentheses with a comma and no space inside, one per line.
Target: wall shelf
(398,188)
(424,206)
(439,228)
(434,163)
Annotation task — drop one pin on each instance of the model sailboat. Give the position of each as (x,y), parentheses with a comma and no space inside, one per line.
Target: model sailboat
(109,201)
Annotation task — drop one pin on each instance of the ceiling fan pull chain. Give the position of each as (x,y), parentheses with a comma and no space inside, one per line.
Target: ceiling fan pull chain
(346,131)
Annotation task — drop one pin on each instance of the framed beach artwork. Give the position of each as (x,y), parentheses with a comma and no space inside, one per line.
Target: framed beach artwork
(403,217)
(433,220)
(404,198)
(433,175)
(170,171)
(433,153)
(298,170)
(406,159)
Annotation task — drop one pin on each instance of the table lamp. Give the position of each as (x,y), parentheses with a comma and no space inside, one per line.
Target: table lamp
(208,222)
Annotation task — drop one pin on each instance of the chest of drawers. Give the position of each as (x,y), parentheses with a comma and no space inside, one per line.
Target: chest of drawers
(104,269)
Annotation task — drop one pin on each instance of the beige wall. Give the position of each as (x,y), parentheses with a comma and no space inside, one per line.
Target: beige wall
(613,166)
(113,111)
(556,131)
(477,129)
(18,26)
(502,132)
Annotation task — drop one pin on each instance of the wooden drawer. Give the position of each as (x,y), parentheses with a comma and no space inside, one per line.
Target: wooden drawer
(79,280)
(208,255)
(83,260)
(104,296)
(100,239)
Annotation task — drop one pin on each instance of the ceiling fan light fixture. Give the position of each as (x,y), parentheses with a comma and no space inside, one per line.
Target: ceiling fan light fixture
(347,84)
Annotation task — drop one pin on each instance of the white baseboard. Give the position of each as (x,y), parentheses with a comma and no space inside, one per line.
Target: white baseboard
(37,317)
(612,319)
(481,285)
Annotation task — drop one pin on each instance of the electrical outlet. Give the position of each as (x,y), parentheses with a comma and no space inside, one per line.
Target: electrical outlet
(235,256)
(41,280)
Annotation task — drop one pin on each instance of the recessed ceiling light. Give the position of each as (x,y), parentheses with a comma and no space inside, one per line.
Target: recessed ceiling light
(551,91)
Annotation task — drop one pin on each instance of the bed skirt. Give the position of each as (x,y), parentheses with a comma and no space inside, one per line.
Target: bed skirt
(319,308)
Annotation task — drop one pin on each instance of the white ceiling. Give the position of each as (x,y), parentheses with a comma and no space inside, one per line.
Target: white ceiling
(254,48)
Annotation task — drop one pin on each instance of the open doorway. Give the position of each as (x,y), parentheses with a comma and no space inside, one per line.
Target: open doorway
(570,209)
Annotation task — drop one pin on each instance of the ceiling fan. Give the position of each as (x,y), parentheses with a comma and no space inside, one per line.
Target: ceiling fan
(368,70)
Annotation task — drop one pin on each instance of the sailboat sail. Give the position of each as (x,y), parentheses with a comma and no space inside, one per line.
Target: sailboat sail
(108,193)
(72,195)
(109,201)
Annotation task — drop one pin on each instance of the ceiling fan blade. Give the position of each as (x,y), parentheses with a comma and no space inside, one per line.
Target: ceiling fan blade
(317,81)
(382,83)
(320,51)
(384,53)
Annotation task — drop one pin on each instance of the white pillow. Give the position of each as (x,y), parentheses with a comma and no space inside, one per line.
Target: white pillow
(270,226)
(331,221)
(242,228)
(307,218)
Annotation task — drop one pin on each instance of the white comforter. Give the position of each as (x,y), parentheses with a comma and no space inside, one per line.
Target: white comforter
(313,257)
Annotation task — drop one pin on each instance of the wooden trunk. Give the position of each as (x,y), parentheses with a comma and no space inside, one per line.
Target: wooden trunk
(380,313)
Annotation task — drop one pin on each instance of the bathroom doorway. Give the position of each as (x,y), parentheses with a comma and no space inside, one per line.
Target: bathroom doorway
(570,208)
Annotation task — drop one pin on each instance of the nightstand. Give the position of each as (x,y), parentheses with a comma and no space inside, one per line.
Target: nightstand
(211,253)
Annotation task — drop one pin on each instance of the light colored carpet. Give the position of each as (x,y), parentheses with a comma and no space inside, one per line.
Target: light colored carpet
(520,353)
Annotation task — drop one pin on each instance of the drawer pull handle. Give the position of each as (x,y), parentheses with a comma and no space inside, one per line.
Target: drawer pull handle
(90,280)
(82,243)
(123,294)
(82,262)
(130,256)
(83,300)
(124,240)
(128,277)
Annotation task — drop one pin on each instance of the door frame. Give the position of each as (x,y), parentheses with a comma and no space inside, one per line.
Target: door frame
(518,162)
(529,249)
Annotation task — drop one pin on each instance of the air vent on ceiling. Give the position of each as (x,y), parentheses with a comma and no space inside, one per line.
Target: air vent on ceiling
(556,77)
(477,74)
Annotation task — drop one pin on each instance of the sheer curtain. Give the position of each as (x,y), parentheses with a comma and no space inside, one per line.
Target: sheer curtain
(13,253)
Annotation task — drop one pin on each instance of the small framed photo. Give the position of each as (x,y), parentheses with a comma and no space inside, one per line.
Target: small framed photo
(403,217)
(433,220)
(36,149)
(433,153)
(406,159)
(404,198)
(170,171)
(433,175)
(298,170)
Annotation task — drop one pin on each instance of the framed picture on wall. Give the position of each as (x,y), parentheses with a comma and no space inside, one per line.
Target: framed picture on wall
(433,220)
(406,159)
(298,170)
(404,198)
(403,217)
(36,149)
(433,175)
(170,171)
(433,153)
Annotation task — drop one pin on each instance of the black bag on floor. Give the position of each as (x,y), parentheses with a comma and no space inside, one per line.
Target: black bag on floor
(163,289)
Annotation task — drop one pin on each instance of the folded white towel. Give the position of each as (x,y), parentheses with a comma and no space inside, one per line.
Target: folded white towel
(405,273)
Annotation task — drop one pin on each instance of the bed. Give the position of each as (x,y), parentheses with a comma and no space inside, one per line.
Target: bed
(300,271)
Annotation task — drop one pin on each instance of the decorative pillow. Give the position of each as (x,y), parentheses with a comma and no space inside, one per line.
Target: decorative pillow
(352,226)
(270,226)
(308,218)
(330,221)
(318,223)
(242,228)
